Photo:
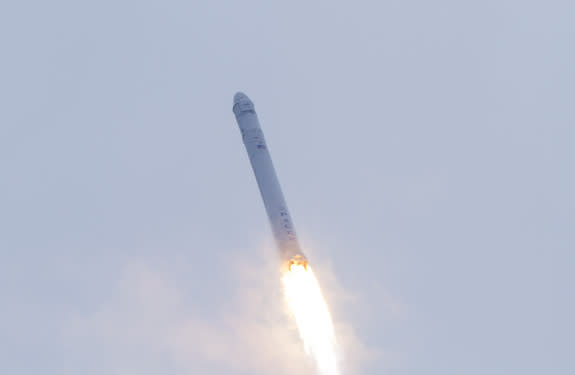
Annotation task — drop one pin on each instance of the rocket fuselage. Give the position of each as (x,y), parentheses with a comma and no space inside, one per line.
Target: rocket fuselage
(258,152)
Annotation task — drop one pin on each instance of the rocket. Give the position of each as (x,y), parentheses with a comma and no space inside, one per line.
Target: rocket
(268,183)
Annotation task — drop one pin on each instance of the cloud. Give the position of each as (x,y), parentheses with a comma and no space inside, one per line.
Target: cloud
(149,318)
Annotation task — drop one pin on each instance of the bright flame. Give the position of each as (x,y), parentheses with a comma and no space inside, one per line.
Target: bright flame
(312,316)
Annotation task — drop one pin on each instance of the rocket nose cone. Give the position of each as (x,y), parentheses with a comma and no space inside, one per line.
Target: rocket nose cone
(242,104)
(241,97)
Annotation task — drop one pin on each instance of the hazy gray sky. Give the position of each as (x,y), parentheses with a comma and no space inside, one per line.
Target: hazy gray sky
(426,150)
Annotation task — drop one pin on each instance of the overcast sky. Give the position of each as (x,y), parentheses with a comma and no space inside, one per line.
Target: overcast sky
(426,150)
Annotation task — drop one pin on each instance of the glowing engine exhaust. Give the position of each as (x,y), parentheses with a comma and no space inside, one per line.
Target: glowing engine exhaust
(312,316)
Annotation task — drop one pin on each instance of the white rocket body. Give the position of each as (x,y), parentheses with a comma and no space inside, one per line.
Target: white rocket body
(258,152)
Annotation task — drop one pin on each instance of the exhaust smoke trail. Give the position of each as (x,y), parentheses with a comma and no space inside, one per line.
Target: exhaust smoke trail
(308,306)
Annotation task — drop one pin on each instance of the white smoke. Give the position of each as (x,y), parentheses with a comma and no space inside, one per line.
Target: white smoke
(150,322)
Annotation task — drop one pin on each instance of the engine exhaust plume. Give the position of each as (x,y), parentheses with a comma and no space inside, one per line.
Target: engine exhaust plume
(308,307)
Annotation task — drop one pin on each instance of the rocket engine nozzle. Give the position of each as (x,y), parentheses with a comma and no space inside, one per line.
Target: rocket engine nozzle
(298,260)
